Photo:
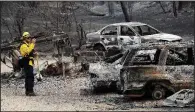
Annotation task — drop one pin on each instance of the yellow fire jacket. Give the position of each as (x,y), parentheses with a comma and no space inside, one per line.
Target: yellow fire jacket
(26,49)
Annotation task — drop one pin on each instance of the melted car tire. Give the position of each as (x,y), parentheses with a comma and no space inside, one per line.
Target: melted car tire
(158,93)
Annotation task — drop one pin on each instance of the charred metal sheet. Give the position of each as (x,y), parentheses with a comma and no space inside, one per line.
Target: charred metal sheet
(105,73)
(137,84)
(56,69)
(180,77)
(181,98)
(160,45)
(163,57)
(143,73)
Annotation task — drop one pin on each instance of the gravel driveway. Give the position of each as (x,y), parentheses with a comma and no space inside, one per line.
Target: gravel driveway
(57,94)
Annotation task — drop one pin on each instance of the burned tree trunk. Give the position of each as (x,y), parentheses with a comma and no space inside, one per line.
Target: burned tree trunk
(130,10)
(162,7)
(82,36)
(79,28)
(174,9)
(180,5)
(110,8)
(124,11)
(20,17)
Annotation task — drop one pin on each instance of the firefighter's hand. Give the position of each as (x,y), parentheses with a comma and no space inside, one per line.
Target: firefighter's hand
(33,40)
(36,53)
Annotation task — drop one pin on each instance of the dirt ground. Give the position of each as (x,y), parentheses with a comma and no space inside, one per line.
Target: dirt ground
(58,94)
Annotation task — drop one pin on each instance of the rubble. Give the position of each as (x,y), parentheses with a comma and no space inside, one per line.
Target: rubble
(71,69)
(7,75)
(105,74)
(182,98)
(55,69)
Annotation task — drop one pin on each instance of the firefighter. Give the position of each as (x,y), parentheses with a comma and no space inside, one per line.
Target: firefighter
(27,53)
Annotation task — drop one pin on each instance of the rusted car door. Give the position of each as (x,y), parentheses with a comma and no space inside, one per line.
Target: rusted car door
(140,66)
(179,70)
(109,35)
(180,65)
(134,76)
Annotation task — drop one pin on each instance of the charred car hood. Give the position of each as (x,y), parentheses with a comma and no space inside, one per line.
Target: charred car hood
(93,33)
(162,36)
(104,71)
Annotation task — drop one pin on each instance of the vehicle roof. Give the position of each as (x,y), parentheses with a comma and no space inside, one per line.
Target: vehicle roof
(162,45)
(130,23)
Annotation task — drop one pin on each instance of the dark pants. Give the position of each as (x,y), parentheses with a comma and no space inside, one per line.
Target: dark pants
(29,76)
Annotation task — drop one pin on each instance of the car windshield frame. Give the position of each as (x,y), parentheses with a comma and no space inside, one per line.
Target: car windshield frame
(109,26)
(140,28)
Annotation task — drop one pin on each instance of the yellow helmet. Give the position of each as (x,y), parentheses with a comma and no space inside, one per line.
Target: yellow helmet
(25,35)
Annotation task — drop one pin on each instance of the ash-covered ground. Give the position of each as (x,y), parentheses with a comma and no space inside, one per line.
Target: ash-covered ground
(58,94)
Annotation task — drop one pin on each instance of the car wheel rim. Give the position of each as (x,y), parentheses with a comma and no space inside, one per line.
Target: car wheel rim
(158,94)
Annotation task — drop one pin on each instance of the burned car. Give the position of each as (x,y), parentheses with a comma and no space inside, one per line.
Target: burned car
(127,33)
(168,69)
(105,74)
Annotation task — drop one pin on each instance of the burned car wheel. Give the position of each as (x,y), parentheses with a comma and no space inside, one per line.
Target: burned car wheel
(113,86)
(158,93)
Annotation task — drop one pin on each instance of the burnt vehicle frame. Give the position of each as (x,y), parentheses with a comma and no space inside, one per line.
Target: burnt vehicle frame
(104,74)
(170,70)
(126,33)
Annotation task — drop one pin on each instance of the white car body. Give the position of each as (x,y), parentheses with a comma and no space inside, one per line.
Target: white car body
(118,37)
